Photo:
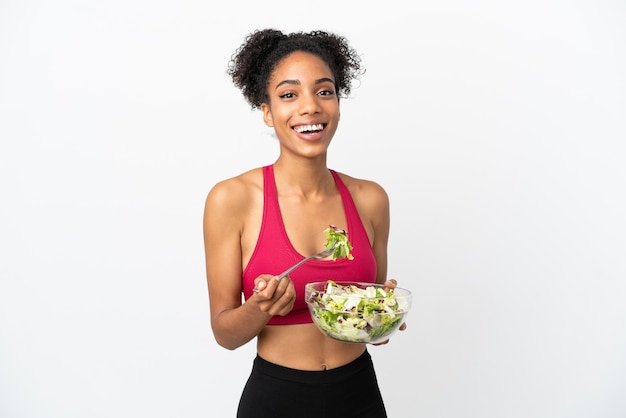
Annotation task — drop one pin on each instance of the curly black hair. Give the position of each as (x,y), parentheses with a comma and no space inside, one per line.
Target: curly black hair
(253,62)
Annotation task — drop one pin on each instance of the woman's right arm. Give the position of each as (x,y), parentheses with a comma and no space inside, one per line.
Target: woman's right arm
(234,323)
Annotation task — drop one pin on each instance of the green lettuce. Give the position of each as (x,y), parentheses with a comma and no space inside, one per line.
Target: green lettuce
(353,314)
(343,248)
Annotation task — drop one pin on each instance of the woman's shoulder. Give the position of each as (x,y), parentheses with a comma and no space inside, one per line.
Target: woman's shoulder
(237,190)
(359,186)
(370,198)
(248,179)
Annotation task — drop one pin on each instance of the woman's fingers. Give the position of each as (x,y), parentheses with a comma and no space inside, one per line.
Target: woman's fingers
(260,285)
(275,297)
(390,284)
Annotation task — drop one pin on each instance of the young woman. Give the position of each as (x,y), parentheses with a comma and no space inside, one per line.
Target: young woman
(264,220)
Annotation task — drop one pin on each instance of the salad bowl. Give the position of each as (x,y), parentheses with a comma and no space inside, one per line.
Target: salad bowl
(357,312)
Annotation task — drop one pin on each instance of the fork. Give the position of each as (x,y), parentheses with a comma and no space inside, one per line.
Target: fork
(322,254)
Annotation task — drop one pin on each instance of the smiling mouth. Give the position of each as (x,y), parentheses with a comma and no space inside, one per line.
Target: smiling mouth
(309,129)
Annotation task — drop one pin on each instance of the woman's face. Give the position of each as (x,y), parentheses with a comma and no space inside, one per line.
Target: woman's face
(303,105)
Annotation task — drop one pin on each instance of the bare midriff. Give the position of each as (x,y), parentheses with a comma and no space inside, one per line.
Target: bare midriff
(304,347)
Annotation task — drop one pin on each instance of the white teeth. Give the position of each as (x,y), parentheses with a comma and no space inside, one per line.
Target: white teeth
(303,128)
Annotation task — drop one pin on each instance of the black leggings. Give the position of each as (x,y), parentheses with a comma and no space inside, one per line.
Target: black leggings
(274,391)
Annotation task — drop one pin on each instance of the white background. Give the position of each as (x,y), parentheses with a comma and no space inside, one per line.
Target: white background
(497,129)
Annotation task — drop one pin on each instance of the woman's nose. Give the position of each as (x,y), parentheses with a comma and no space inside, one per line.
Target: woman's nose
(309,104)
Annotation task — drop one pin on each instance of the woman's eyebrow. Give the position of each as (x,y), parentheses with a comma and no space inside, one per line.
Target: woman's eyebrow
(297,82)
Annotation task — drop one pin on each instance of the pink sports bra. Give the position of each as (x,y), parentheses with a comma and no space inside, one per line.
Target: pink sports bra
(274,253)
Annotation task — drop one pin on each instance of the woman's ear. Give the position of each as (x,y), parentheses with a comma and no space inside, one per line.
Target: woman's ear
(267,115)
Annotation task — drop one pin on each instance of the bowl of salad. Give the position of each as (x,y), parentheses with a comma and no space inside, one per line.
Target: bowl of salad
(357,312)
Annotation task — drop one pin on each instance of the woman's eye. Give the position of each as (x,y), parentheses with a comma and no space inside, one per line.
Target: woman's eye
(286,96)
(326,93)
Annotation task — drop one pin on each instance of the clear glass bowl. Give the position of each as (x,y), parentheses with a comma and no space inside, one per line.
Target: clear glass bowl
(357,312)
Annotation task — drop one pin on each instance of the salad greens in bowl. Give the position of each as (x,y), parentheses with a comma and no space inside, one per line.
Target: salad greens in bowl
(357,312)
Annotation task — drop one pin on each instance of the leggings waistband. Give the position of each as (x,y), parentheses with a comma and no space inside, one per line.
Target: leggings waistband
(312,376)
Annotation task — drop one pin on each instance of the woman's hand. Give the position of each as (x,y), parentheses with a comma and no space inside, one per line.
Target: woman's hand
(391,284)
(274,296)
